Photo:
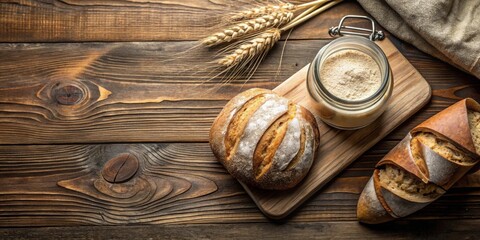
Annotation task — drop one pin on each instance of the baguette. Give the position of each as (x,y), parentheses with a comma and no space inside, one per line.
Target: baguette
(424,165)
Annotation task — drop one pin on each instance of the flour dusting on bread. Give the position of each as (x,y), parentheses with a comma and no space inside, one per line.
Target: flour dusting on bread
(289,147)
(256,126)
(265,140)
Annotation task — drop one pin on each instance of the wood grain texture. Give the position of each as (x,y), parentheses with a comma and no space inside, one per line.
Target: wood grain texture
(176,183)
(131,93)
(121,92)
(434,229)
(30,195)
(337,148)
(337,201)
(130,20)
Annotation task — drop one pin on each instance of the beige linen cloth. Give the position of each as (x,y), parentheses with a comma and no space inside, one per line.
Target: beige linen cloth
(446,29)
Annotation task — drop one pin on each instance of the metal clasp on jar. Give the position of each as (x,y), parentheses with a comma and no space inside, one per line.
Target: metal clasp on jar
(372,34)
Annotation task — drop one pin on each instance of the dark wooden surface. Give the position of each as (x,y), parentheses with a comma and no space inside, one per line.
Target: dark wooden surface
(83,82)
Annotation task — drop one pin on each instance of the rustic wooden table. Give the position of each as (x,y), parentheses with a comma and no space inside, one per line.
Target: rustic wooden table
(82,82)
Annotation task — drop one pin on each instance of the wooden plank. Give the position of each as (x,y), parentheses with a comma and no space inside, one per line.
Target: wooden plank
(176,183)
(337,148)
(36,200)
(444,229)
(106,20)
(121,92)
(134,78)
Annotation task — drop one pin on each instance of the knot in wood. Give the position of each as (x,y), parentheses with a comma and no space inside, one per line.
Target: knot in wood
(68,94)
(120,168)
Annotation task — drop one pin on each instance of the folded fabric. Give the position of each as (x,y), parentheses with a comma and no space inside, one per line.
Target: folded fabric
(446,29)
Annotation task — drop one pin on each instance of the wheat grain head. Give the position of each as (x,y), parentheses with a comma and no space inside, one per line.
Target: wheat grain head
(252,48)
(262,10)
(241,29)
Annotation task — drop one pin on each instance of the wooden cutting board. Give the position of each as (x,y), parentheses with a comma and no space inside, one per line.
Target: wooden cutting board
(338,148)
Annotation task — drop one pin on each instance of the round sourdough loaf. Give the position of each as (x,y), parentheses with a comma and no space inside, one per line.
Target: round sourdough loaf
(265,140)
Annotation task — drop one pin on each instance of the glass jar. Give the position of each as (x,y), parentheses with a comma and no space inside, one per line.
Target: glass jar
(349,114)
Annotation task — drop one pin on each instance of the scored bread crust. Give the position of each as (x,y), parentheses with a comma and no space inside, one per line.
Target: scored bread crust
(453,125)
(267,152)
(287,173)
(369,209)
(422,166)
(220,124)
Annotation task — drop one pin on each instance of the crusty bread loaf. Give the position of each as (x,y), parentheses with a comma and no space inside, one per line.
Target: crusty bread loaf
(265,140)
(426,163)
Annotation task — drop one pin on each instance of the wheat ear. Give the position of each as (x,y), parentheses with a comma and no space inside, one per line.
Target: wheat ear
(252,48)
(275,19)
(261,11)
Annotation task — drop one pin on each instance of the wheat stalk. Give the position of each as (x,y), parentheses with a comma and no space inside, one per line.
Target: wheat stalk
(262,10)
(258,19)
(257,36)
(313,11)
(241,29)
(251,48)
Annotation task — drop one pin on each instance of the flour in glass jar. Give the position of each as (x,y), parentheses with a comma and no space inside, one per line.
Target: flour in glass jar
(350,75)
